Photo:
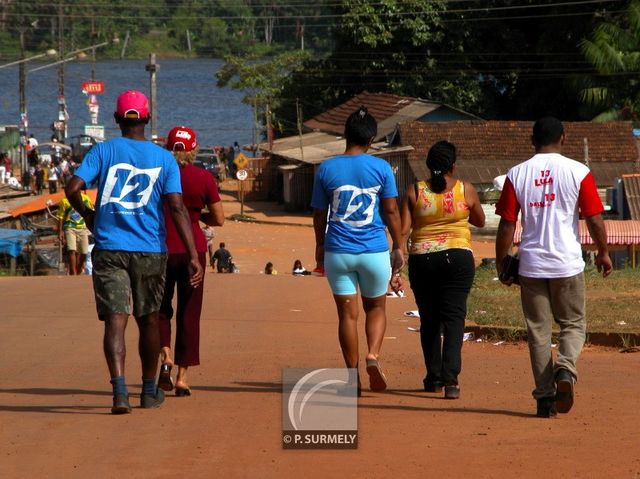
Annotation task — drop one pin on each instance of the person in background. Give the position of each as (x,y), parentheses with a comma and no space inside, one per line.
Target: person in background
(26,179)
(136,179)
(209,234)
(298,269)
(39,179)
(551,192)
(437,213)
(8,169)
(32,142)
(268,269)
(53,178)
(73,232)
(57,150)
(3,168)
(355,194)
(222,259)
(199,191)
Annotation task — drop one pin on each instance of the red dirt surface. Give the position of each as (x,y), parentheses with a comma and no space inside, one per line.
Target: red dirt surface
(55,395)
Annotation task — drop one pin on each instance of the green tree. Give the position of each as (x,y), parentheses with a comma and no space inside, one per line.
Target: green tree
(392,46)
(614,50)
(263,80)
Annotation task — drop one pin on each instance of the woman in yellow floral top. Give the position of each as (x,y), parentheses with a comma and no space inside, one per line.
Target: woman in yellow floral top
(436,213)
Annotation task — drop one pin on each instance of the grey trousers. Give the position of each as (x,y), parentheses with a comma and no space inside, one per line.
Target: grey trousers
(546,300)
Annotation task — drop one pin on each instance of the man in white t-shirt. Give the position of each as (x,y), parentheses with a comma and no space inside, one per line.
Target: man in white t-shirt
(33,143)
(551,192)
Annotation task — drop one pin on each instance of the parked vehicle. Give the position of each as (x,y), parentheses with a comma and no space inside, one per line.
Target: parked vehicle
(208,160)
(80,146)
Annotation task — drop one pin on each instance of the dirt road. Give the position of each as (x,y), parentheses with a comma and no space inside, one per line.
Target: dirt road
(55,395)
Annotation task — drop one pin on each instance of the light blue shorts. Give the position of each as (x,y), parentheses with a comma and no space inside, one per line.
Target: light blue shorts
(346,271)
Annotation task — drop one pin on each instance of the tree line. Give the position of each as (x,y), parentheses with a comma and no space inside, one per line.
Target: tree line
(498,59)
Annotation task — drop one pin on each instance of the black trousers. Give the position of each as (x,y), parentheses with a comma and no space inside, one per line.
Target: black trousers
(441,282)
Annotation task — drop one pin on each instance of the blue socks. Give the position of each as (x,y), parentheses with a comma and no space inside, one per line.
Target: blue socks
(149,386)
(119,386)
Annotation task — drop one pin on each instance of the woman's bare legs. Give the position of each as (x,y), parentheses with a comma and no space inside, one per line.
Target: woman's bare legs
(165,356)
(181,378)
(375,324)
(347,306)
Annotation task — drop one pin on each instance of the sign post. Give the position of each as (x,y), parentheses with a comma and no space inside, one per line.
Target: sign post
(242,175)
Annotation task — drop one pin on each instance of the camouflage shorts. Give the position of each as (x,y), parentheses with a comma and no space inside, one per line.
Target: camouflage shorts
(119,276)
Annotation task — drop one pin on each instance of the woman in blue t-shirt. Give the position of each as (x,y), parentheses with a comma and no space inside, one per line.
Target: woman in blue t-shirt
(354,197)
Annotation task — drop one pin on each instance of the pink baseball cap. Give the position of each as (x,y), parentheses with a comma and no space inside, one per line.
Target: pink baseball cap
(182,138)
(132,104)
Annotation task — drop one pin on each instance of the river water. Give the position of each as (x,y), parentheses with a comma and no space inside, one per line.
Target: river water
(186,90)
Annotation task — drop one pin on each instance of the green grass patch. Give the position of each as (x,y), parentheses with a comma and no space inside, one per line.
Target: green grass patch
(613,303)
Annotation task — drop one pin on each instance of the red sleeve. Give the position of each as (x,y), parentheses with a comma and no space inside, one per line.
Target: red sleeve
(588,198)
(508,206)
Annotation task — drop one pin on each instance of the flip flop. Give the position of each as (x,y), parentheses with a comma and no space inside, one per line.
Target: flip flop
(377,380)
(181,392)
(164,380)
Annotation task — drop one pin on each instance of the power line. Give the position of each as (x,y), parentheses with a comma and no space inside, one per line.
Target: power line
(296,17)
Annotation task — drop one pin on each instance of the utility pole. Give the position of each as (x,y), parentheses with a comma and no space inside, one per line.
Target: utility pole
(22,81)
(62,107)
(93,50)
(124,45)
(299,122)
(152,67)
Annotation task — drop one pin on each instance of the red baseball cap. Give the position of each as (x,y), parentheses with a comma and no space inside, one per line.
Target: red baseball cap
(182,138)
(132,104)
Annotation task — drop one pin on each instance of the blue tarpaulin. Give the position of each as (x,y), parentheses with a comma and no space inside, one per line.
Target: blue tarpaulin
(12,241)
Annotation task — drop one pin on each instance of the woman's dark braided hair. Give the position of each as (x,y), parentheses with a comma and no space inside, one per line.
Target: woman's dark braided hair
(440,160)
(360,127)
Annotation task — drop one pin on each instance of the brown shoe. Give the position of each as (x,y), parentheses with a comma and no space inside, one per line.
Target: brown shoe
(377,380)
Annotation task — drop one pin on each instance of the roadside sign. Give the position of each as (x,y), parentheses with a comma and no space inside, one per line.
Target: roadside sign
(93,87)
(241,161)
(242,175)
(96,131)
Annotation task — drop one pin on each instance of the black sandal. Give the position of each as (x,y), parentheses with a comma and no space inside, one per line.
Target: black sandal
(181,392)
(164,380)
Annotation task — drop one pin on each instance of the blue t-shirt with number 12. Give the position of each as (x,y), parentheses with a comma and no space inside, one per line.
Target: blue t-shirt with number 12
(132,178)
(351,187)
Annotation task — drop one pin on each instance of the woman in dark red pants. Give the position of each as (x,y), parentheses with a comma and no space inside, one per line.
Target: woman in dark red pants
(199,191)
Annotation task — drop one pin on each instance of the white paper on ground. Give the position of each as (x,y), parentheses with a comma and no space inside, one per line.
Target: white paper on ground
(393,294)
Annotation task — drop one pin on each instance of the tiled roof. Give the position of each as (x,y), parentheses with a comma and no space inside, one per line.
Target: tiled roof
(489,148)
(387,109)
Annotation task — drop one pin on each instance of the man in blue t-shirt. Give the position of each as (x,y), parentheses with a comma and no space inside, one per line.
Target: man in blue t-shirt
(134,178)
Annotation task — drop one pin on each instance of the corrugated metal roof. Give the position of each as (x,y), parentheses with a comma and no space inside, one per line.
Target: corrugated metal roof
(632,194)
(388,110)
(317,147)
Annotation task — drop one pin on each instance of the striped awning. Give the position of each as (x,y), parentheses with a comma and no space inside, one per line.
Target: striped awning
(619,232)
